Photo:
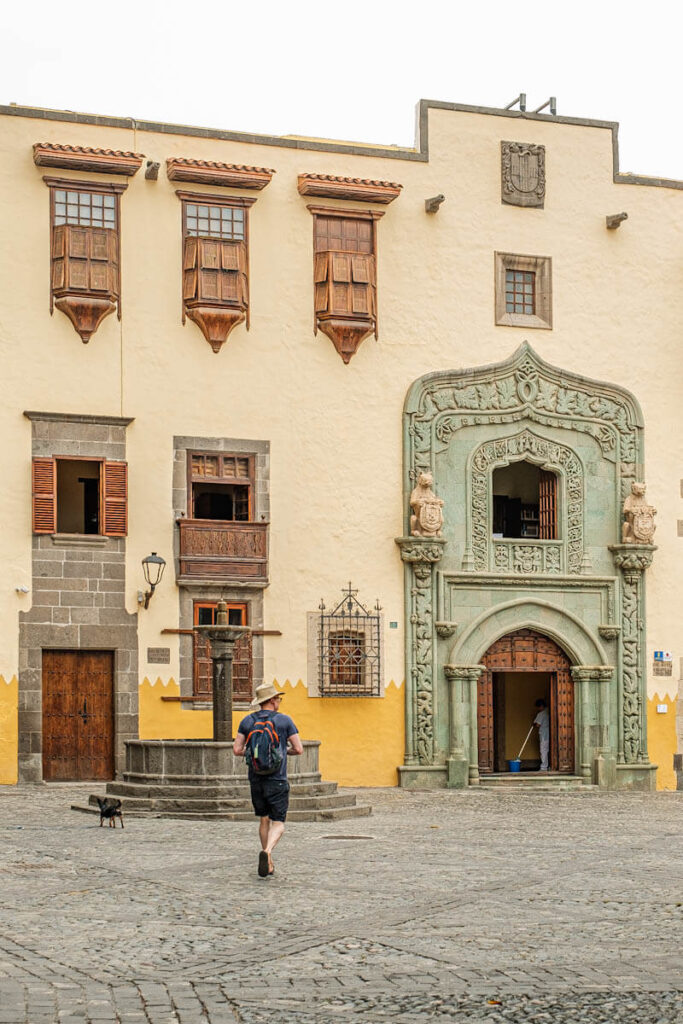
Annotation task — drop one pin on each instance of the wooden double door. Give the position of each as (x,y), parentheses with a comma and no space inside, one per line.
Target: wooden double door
(526,651)
(78,715)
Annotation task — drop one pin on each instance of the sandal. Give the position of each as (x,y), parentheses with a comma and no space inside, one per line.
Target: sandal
(263,867)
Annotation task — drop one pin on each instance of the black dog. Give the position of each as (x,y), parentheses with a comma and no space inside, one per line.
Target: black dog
(111,810)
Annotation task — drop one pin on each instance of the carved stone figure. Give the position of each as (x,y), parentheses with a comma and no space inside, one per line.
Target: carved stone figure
(639,526)
(427,517)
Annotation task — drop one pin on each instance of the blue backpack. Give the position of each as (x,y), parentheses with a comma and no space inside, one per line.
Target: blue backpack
(262,749)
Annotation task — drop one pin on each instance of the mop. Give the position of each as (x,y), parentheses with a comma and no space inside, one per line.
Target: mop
(518,760)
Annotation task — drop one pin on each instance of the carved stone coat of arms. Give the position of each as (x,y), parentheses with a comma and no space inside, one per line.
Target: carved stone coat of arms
(523,174)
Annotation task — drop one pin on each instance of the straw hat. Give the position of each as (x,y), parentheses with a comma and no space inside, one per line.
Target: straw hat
(264,692)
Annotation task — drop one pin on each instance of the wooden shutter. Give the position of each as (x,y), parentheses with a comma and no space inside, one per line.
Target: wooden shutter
(190,268)
(44,496)
(115,498)
(485,721)
(547,490)
(85,259)
(320,276)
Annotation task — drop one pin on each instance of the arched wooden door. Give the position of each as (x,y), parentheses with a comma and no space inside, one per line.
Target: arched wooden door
(528,651)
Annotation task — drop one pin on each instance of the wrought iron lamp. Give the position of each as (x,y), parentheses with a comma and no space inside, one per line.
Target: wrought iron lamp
(153,567)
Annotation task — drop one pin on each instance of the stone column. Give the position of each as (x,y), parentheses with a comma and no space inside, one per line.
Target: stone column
(222,654)
(632,560)
(463,768)
(597,755)
(420,555)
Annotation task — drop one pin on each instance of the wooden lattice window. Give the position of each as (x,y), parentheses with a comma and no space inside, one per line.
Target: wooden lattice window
(81,496)
(215,263)
(242,666)
(85,252)
(220,486)
(345,276)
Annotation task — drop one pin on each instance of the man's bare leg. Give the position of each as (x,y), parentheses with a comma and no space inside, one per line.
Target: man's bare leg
(263,828)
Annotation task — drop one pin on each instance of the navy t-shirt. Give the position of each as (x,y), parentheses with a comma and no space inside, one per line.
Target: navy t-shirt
(284,727)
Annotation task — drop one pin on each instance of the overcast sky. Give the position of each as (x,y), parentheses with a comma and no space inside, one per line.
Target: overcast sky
(353,70)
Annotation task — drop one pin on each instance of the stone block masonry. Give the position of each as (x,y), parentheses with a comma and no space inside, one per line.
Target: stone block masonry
(78,594)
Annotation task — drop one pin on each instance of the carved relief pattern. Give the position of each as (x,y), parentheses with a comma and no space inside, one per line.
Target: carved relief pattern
(632,563)
(631,627)
(525,388)
(420,557)
(526,559)
(523,174)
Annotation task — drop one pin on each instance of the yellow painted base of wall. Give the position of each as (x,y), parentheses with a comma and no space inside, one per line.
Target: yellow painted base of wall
(661,740)
(9,731)
(361,738)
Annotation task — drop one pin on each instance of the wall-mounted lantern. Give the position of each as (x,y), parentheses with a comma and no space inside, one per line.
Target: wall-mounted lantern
(153,567)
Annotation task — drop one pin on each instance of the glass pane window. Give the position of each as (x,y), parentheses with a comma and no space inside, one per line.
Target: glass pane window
(85,209)
(519,291)
(214,221)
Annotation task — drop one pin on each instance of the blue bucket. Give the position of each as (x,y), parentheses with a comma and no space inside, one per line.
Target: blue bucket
(515,765)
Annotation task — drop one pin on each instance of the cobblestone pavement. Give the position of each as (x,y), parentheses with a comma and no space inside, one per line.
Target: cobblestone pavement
(475,906)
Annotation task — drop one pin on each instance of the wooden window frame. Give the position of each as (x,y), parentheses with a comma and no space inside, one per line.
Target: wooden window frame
(97,188)
(354,214)
(210,199)
(541,267)
(105,497)
(250,482)
(242,606)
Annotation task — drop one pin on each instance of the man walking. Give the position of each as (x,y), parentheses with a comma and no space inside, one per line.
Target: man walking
(269,792)
(542,723)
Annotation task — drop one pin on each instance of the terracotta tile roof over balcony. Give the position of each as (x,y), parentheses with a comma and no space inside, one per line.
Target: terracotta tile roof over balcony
(210,172)
(358,189)
(85,158)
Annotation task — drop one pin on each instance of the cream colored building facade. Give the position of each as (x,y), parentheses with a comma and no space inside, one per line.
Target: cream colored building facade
(331,449)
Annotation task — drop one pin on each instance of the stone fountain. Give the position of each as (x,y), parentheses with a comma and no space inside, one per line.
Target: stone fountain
(203,778)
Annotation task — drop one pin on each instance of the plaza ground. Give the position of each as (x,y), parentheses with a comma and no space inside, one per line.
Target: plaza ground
(448,906)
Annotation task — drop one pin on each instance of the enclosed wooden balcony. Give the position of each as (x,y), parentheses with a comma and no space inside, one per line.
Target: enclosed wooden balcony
(220,551)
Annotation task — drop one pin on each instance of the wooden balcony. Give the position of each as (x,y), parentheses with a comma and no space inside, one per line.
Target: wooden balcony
(219,551)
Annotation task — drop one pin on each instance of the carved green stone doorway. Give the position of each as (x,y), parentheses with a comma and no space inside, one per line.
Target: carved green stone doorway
(561,568)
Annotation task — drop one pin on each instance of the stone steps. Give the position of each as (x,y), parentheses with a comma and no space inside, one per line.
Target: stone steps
(338,813)
(533,782)
(168,802)
(234,789)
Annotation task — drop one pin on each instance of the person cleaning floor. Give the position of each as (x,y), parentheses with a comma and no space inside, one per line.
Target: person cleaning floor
(542,723)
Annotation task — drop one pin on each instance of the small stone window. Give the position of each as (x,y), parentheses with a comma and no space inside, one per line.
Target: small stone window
(524,502)
(519,291)
(523,291)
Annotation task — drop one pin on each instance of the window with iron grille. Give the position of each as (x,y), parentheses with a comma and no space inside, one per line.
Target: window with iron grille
(349,649)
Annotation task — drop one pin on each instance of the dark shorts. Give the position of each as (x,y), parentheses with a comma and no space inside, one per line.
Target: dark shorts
(270,797)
